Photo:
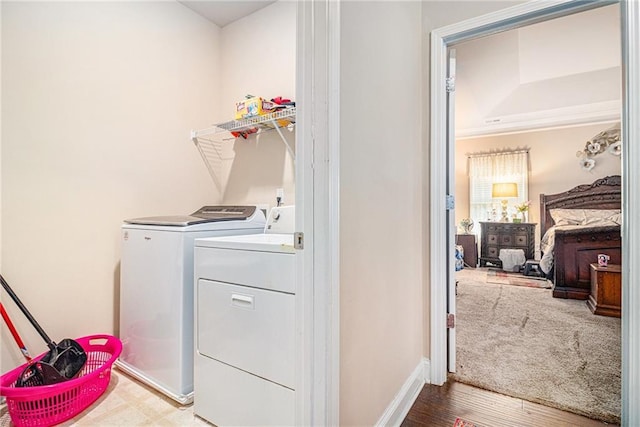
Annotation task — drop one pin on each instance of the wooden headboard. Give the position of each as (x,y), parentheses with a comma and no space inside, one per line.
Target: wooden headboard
(603,193)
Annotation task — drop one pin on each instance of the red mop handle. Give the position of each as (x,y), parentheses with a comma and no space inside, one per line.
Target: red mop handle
(15,334)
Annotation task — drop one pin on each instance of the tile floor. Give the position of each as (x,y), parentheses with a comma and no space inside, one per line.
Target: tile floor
(128,403)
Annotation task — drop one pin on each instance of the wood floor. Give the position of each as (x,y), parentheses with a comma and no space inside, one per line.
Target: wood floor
(441,405)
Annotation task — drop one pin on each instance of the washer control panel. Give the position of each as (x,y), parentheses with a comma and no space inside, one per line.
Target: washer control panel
(282,220)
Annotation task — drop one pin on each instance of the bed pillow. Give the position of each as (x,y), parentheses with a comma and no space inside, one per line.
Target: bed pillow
(602,217)
(585,216)
(567,216)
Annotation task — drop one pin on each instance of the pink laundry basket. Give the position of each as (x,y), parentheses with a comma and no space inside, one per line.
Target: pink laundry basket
(52,404)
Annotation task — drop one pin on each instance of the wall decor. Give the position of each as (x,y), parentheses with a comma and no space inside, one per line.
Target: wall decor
(606,141)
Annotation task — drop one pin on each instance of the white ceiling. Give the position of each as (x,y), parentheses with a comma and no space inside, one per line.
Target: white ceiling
(222,12)
(554,73)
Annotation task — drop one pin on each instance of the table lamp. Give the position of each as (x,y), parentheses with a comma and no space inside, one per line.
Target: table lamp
(503,190)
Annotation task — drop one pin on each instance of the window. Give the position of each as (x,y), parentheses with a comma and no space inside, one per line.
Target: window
(487,169)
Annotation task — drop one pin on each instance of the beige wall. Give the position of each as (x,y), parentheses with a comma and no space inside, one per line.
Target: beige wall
(380,198)
(258,57)
(554,166)
(98,99)
(440,13)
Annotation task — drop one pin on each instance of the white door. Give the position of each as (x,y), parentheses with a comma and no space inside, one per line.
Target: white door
(451,219)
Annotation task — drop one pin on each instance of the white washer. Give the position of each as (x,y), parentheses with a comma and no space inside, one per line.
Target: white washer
(156,292)
(245,326)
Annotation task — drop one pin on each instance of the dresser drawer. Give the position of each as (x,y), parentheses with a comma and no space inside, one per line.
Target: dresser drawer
(506,240)
(520,240)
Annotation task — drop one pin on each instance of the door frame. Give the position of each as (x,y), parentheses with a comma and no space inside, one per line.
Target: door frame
(507,19)
(317,357)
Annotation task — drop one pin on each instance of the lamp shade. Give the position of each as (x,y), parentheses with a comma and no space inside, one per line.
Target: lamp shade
(504,189)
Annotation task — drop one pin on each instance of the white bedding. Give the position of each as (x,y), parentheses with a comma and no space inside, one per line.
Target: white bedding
(548,242)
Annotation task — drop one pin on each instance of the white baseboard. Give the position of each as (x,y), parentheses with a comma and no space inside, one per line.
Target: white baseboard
(427,370)
(408,393)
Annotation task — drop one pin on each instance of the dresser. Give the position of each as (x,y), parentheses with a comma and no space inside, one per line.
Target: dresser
(505,235)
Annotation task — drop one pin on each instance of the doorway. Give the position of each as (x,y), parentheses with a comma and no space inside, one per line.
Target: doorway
(506,86)
(489,24)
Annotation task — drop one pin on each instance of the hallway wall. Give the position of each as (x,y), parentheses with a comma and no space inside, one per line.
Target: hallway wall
(380,198)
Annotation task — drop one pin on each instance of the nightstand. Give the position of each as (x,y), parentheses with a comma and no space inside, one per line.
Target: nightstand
(469,243)
(606,292)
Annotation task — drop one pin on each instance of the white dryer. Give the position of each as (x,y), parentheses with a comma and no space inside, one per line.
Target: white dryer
(156,292)
(245,326)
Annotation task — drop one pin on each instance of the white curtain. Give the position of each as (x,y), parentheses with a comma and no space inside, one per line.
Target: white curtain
(487,169)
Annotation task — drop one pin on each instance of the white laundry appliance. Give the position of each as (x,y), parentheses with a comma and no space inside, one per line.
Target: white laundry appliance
(156,292)
(245,326)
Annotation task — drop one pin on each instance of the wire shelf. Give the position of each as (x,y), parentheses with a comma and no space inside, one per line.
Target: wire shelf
(280,118)
(210,141)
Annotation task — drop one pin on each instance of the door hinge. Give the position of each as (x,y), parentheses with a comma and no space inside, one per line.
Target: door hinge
(298,240)
(450,84)
(451,321)
(451,202)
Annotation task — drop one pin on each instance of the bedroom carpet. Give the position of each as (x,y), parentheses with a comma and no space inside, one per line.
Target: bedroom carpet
(516,279)
(521,342)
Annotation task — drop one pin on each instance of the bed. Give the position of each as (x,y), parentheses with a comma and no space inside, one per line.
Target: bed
(588,219)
